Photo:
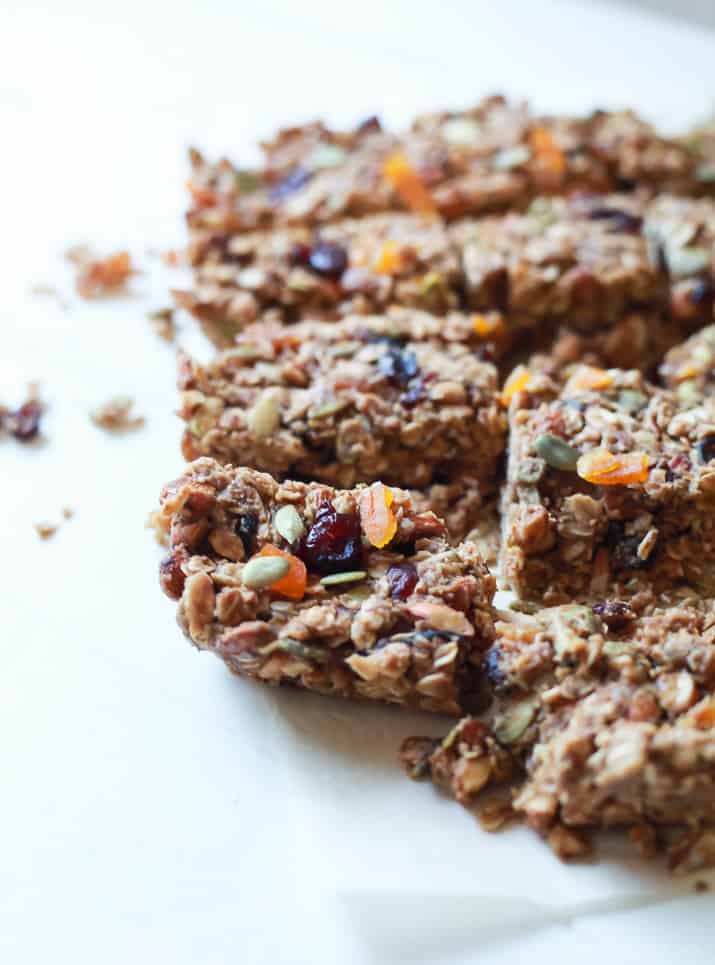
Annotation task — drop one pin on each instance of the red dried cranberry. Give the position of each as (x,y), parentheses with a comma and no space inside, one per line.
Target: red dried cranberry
(171,576)
(293,182)
(398,366)
(371,125)
(497,289)
(402,578)
(706,449)
(328,259)
(615,613)
(300,255)
(623,549)
(333,544)
(24,423)
(618,221)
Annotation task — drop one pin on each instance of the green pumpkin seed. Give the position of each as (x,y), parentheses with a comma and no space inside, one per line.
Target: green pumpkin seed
(264,417)
(326,409)
(556,452)
(264,571)
(431,282)
(530,471)
(631,401)
(515,722)
(289,524)
(616,648)
(337,578)
(705,173)
(296,649)
(247,181)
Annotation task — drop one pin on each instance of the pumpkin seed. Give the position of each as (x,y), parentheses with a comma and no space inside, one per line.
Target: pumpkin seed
(246,352)
(631,401)
(556,452)
(326,409)
(431,282)
(296,649)
(263,418)
(264,571)
(525,606)
(247,181)
(705,173)
(350,577)
(530,471)
(515,722)
(289,524)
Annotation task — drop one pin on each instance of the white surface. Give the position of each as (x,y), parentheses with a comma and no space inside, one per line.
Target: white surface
(153,808)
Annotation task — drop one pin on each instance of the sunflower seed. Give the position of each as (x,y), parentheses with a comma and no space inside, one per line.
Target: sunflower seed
(264,417)
(515,722)
(289,524)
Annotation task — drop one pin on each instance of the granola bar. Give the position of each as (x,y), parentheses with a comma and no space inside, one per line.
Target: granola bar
(390,398)
(609,481)
(689,369)
(605,715)
(491,157)
(351,593)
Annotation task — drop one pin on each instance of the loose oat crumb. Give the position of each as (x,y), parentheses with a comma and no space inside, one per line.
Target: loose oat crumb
(701,886)
(114,415)
(45,530)
(49,291)
(162,321)
(173,258)
(101,276)
(67,512)
(495,815)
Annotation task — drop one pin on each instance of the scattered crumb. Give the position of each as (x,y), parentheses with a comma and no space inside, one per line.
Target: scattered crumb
(67,512)
(643,836)
(78,254)
(46,530)
(162,321)
(23,423)
(101,276)
(495,814)
(173,258)
(701,886)
(49,291)
(115,415)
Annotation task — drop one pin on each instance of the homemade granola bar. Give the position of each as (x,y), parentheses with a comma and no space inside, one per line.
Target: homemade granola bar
(606,717)
(609,481)
(351,266)
(491,157)
(689,369)
(402,399)
(350,593)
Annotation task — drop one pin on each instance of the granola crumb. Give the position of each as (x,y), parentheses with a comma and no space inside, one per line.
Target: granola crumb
(701,886)
(494,815)
(46,290)
(45,530)
(23,423)
(162,321)
(67,512)
(643,836)
(101,276)
(568,844)
(114,415)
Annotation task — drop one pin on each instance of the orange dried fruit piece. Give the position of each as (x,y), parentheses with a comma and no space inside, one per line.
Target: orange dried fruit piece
(376,518)
(602,468)
(688,371)
(389,260)
(517,381)
(406,182)
(293,584)
(203,197)
(104,275)
(488,326)
(546,151)
(588,377)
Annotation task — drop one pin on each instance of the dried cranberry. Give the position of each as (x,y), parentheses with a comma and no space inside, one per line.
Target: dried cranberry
(24,423)
(371,125)
(706,449)
(293,182)
(328,259)
(415,394)
(171,576)
(333,544)
(615,613)
(626,184)
(678,464)
(618,221)
(498,286)
(246,528)
(300,255)
(398,366)
(402,578)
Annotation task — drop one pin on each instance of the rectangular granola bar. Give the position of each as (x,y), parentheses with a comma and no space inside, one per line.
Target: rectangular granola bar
(491,157)
(351,593)
(404,399)
(609,481)
(605,716)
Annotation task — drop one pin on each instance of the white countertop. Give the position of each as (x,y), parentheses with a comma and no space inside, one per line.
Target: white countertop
(152,807)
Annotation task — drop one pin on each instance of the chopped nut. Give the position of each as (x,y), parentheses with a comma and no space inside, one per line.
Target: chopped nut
(45,530)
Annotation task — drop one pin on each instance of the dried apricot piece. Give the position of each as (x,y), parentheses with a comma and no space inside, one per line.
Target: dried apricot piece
(104,275)
(389,260)
(203,197)
(377,519)
(406,182)
(550,157)
(517,381)
(292,585)
(488,326)
(604,469)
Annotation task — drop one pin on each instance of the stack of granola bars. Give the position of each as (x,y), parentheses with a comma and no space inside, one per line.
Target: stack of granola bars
(493,304)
